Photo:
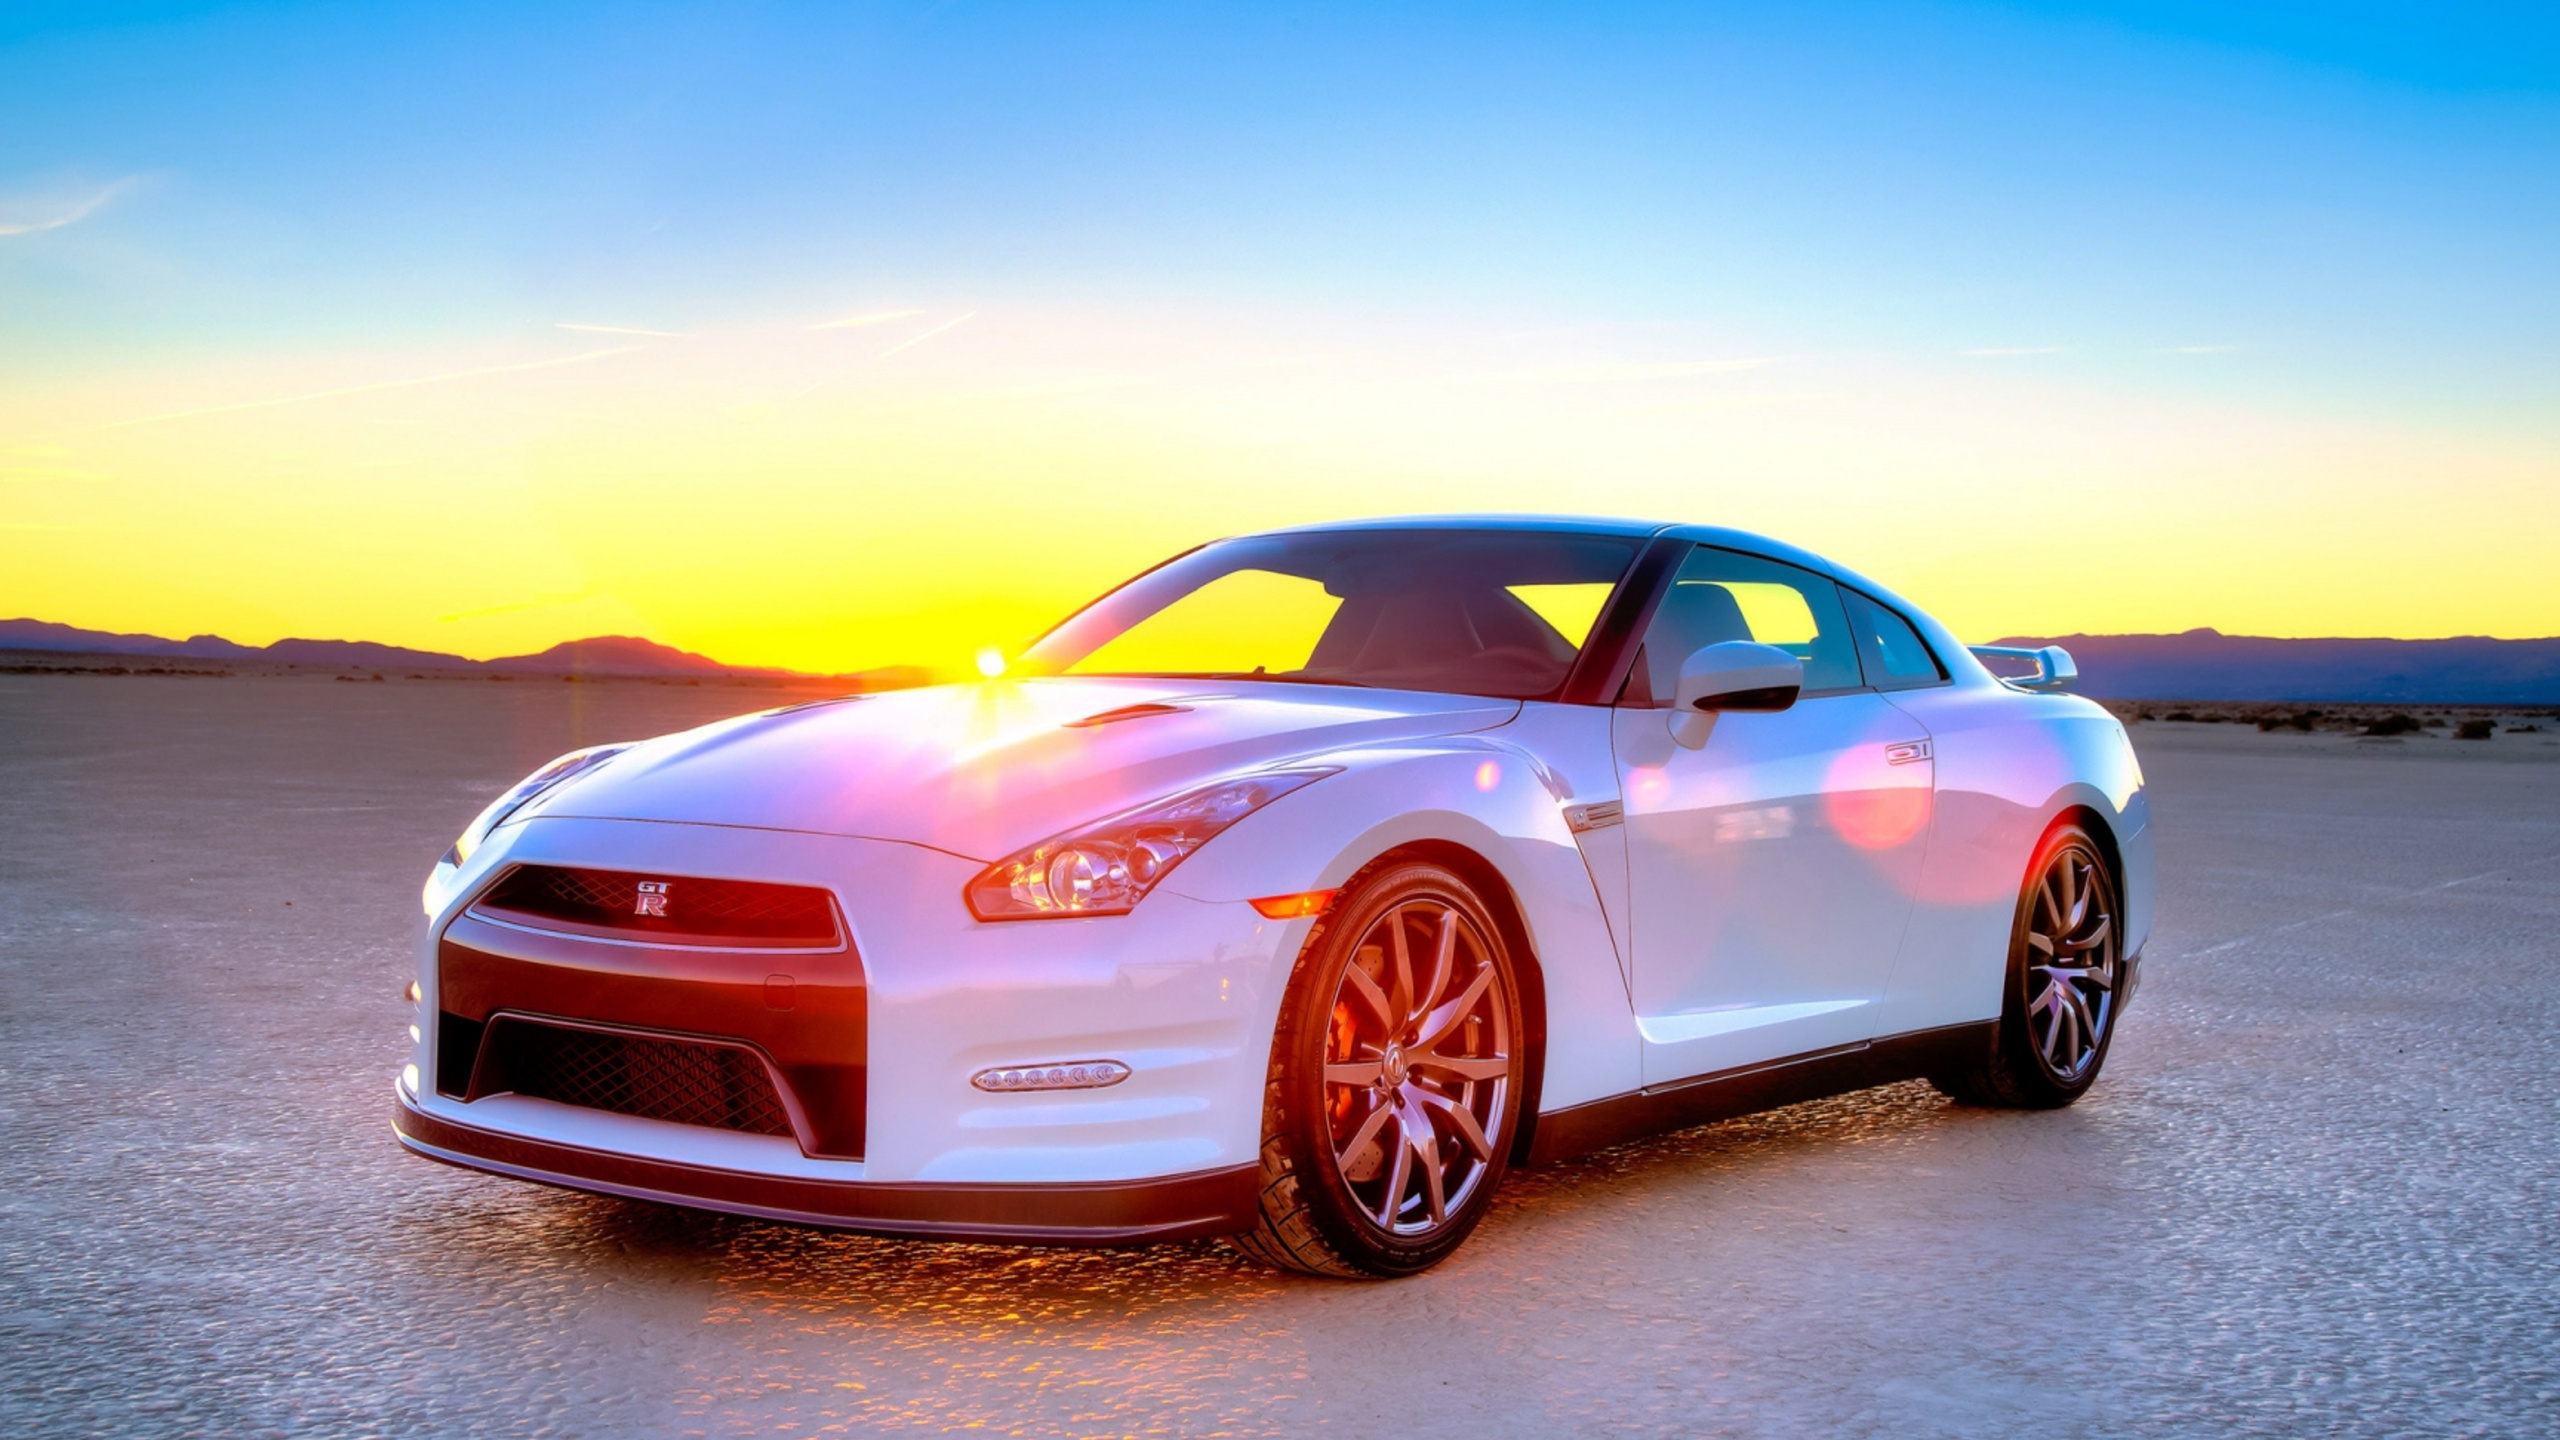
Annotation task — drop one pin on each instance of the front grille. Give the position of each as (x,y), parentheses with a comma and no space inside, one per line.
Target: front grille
(660,1077)
(676,909)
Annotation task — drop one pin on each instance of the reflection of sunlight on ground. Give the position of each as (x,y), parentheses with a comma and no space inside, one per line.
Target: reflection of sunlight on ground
(831,1331)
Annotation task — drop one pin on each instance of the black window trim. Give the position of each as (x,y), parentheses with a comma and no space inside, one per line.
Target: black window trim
(1945,676)
(1640,594)
(1600,670)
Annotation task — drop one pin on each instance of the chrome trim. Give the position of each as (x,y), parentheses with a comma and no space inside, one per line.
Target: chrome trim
(1598,815)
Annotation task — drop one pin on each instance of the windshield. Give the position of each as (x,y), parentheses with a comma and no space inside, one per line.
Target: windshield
(1467,612)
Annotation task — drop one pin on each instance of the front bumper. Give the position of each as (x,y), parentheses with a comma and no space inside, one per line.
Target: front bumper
(874,1047)
(1213,1202)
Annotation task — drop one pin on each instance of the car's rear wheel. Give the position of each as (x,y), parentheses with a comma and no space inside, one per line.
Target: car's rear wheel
(2065,983)
(1396,1076)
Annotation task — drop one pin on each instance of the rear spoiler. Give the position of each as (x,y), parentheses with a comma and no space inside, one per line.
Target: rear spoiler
(2054,668)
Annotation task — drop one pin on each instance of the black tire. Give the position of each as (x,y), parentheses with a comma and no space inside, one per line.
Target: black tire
(1328,1197)
(2065,983)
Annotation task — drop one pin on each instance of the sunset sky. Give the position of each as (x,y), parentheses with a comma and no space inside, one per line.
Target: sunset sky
(840,336)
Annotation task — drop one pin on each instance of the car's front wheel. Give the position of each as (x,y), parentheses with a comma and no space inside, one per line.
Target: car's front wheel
(1396,1076)
(2065,984)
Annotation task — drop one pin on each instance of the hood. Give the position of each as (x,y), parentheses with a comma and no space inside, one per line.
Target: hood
(983,770)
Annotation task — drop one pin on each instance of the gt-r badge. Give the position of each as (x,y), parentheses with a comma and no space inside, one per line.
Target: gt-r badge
(652,899)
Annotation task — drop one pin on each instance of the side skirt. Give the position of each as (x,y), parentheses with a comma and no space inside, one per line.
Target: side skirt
(1704,1099)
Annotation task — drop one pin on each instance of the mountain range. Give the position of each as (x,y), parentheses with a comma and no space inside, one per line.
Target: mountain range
(2209,665)
(600,655)
(2195,665)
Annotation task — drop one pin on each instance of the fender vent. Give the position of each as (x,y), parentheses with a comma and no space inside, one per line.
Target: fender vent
(670,909)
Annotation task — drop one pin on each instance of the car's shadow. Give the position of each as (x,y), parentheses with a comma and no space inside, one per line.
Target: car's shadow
(753,1264)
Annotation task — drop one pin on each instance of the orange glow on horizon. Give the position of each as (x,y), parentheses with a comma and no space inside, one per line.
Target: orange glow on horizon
(783,496)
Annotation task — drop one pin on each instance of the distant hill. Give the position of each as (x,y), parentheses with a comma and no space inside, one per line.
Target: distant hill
(618,655)
(602,655)
(2209,665)
(46,635)
(2197,665)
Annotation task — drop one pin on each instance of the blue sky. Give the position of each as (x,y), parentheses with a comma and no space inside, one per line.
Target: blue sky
(2106,177)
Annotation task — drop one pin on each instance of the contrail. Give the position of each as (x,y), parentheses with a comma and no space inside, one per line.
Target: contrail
(913,340)
(77,213)
(854,321)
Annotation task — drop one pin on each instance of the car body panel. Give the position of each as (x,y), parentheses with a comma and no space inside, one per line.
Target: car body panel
(1489,797)
(2009,764)
(982,770)
(1773,871)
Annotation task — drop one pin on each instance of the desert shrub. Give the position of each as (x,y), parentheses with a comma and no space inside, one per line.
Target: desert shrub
(2395,724)
(2269,722)
(2475,730)
(2433,722)
(2188,716)
(2524,729)
(2306,719)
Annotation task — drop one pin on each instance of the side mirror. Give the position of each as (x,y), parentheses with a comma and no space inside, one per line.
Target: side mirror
(1735,675)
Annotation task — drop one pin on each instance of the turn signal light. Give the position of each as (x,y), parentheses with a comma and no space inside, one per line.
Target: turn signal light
(1293,907)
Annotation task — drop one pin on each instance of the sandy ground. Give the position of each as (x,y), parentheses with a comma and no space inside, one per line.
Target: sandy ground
(2314,1194)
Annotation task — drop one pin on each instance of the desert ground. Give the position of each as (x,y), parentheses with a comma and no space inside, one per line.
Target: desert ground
(2317,1191)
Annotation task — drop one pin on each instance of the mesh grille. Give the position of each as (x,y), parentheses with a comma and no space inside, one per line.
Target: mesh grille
(674,908)
(664,1079)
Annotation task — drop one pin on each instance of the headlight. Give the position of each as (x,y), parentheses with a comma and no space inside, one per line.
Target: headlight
(1107,867)
(576,762)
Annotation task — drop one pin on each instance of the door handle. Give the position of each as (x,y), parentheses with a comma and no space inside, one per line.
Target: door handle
(1903,752)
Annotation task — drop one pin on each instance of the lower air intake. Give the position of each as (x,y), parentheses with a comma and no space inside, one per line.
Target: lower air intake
(688,1082)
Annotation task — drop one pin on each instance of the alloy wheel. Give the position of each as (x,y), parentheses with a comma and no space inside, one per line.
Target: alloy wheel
(1418,1067)
(2072,966)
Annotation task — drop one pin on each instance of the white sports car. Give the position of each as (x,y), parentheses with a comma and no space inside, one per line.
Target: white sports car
(1292,892)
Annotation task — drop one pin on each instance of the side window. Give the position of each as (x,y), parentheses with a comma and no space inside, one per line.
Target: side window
(1895,656)
(1724,595)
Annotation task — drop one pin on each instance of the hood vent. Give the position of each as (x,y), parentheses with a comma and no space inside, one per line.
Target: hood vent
(1126,712)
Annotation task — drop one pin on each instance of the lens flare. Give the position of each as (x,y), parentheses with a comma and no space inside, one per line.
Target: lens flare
(991,662)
